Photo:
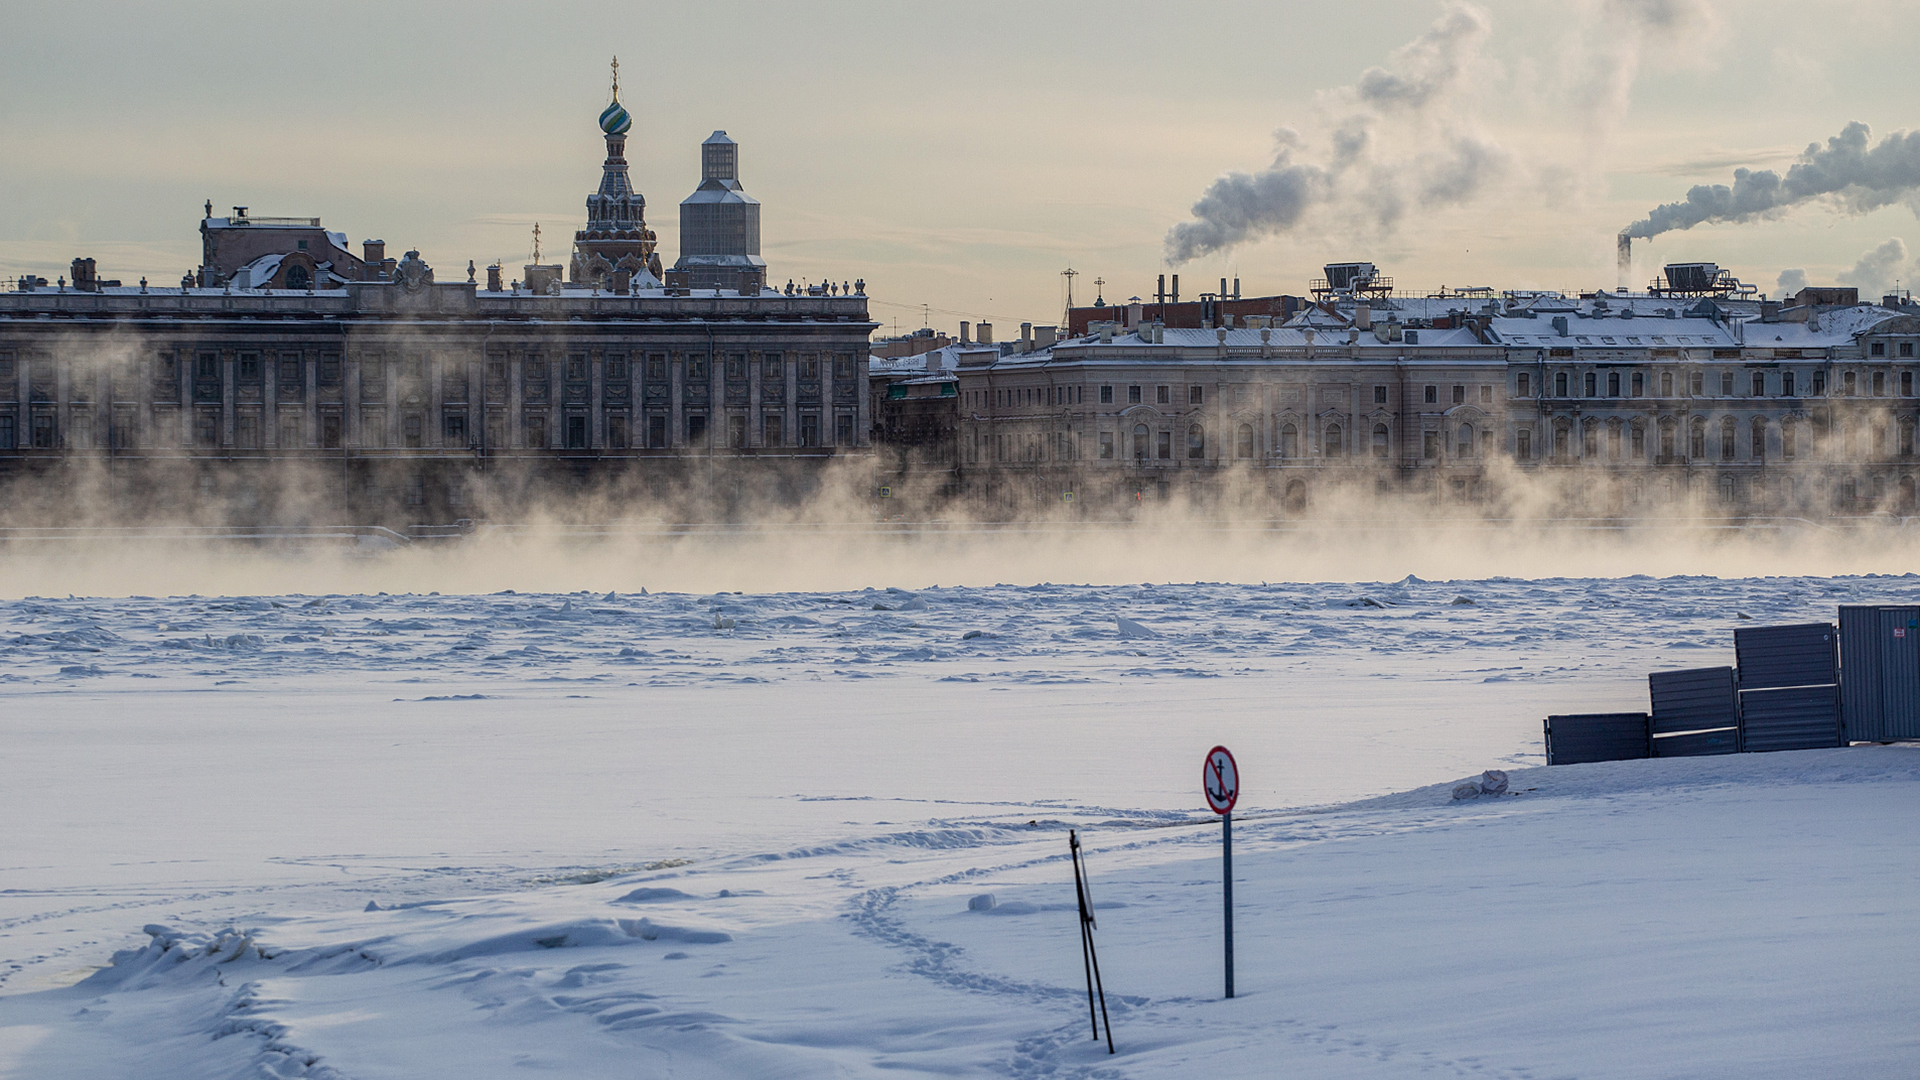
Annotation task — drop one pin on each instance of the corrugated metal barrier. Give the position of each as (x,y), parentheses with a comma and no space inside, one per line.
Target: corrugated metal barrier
(1582,737)
(1880,672)
(1694,712)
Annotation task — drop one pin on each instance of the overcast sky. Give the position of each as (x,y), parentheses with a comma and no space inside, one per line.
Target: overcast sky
(961,155)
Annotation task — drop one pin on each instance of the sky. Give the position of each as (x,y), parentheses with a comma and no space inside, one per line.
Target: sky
(959,157)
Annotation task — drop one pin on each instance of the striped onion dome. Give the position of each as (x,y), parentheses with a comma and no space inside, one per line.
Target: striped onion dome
(615,120)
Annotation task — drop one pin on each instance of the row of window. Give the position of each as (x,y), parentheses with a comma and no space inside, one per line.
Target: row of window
(1015,397)
(1788,383)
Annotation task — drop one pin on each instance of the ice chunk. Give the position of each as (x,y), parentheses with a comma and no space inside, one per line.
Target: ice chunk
(983,902)
(1468,790)
(1132,630)
(649,895)
(1493,782)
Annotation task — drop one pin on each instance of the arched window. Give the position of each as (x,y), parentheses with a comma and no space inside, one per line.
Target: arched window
(1523,444)
(1335,445)
(1726,490)
(1465,447)
(298,277)
(1697,438)
(1907,492)
(1905,447)
(1758,440)
(1666,437)
(1140,434)
(1726,439)
(1789,435)
(1666,384)
(1561,436)
(1243,441)
(1289,441)
(1381,440)
(1637,439)
(1590,438)
(1196,441)
(1296,498)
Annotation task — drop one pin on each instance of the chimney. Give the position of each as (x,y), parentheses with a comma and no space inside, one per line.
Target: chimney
(1026,337)
(1626,260)
(986,333)
(1236,288)
(622,282)
(1045,336)
(1176,289)
(1160,294)
(1133,314)
(493,278)
(84,279)
(1223,288)
(376,252)
(964,327)
(1363,316)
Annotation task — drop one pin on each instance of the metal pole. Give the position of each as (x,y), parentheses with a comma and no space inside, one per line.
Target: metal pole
(1226,859)
(1086,937)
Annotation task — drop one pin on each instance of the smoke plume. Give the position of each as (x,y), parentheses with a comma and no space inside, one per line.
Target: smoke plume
(1856,178)
(1422,83)
(1876,271)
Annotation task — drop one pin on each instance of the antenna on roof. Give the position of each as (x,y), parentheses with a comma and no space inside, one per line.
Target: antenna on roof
(536,243)
(1069,273)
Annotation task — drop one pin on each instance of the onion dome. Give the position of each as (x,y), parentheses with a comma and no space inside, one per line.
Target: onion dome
(615,120)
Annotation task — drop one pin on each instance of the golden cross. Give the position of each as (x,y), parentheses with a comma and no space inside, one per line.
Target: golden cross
(616,78)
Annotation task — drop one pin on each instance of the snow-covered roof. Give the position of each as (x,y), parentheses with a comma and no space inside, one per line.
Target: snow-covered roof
(1586,331)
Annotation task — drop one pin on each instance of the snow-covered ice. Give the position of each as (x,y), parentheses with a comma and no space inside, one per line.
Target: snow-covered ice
(747,835)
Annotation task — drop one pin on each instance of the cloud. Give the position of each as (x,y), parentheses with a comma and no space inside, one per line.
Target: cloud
(1874,274)
(1792,280)
(1856,177)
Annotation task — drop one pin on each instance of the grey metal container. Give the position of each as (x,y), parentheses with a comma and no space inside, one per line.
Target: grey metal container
(1582,737)
(1879,672)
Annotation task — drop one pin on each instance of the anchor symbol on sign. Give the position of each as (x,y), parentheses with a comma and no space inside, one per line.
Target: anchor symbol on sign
(1217,789)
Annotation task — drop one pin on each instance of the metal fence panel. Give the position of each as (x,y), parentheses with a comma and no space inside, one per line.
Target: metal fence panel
(1804,654)
(1789,718)
(1860,672)
(1899,673)
(1695,700)
(1583,737)
(1698,743)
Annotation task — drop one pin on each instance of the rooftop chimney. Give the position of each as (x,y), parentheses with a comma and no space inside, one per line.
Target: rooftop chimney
(375,252)
(1026,337)
(986,333)
(1626,260)
(1160,294)
(1176,289)
(493,278)
(964,327)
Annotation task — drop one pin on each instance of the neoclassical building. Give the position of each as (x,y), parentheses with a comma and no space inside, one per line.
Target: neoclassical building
(372,389)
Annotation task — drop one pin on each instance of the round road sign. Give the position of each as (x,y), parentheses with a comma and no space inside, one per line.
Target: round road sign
(1220,778)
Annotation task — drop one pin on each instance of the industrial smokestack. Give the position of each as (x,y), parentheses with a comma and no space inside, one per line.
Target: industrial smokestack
(1626,259)
(1160,294)
(1176,288)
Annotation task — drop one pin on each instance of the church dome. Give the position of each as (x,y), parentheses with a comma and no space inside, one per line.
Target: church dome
(615,121)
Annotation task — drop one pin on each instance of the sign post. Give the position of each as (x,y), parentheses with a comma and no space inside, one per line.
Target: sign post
(1220,779)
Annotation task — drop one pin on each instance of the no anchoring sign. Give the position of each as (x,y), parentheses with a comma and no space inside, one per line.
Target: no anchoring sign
(1220,777)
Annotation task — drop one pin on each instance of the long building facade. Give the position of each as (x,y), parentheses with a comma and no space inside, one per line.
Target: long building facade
(1605,405)
(376,393)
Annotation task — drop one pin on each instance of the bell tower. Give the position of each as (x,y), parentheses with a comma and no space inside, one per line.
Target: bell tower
(616,237)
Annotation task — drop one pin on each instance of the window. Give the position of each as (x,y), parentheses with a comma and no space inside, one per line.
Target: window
(289,372)
(1589,440)
(206,367)
(1106,440)
(1639,441)
(1637,385)
(737,431)
(576,367)
(1560,384)
(413,366)
(1727,452)
(1163,395)
(1486,394)
(1613,384)
(1381,440)
(1523,384)
(537,430)
(1465,445)
(697,367)
(697,429)
(1817,384)
(1459,394)
(454,427)
(1726,384)
(1696,383)
(1906,348)
(736,366)
(297,275)
(1335,445)
(772,369)
(1588,385)
(1878,348)
(1879,384)
(1243,441)
(6,432)
(410,427)
(1106,395)
(1906,438)
(329,371)
(1523,444)
(1666,384)
(617,367)
(657,430)
(1786,384)
(843,367)
(810,429)
(1726,489)
(1140,442)
(1431,395)
(1163,446)
(1757,439)
(1906,384)
(1666,438)
(1697,438)
(416,489)
(657,367)
(1759,384)
(1379,395)
(1430,445)
(1196,441)
(330,431)
(843,429)
(770,430)
(1788,430)
(1133,395)
(1196,395)
(1289,441)
(43,431)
